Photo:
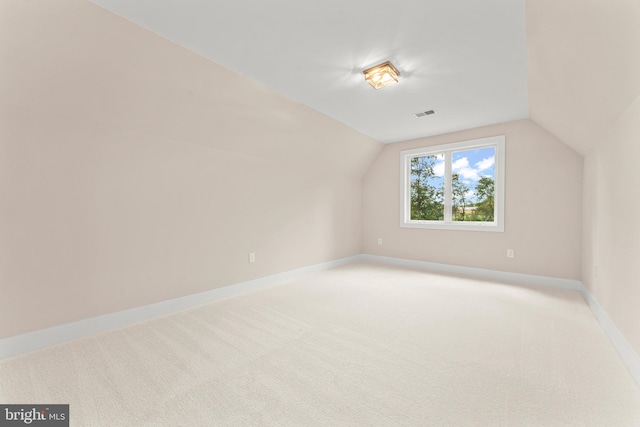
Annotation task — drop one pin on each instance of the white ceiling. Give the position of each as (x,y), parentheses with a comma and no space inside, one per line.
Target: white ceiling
(465,59)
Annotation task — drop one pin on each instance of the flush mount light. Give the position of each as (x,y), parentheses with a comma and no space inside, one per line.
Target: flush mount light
(381,75)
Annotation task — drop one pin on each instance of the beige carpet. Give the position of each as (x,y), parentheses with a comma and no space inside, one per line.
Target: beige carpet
(362,345)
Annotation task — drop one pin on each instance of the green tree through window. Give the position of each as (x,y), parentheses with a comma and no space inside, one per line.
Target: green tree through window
(427,189)
(472,195)
(485,191)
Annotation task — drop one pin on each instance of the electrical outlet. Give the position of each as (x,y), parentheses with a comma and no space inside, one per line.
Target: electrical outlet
(510,253)
(252,257)
(379,241)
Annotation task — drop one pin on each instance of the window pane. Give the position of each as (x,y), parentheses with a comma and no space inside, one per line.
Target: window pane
(472,185)
(427,187)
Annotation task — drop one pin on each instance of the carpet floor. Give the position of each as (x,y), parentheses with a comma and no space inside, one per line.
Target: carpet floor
(360,345)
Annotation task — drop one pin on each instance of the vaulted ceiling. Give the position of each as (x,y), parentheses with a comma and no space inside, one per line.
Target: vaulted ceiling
(570,65)
(465,59)
(583,66)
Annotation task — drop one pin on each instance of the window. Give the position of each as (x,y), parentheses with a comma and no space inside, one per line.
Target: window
(457,186)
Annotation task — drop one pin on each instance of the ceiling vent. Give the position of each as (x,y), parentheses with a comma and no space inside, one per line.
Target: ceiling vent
(424,113)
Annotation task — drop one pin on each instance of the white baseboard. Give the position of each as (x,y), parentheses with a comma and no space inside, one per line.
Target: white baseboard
(31,341)
(19,344)
(622,346)
(479,273)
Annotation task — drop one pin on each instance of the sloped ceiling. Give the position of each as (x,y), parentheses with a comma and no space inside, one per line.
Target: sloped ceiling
(583,66)
(466,59)
(573,66)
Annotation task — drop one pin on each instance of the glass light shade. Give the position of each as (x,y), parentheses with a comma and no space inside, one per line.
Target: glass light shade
(381,75)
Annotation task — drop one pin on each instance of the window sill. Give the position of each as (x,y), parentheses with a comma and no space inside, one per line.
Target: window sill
(492,227)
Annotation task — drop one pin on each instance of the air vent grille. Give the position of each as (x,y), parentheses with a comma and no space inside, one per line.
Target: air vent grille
(424,113)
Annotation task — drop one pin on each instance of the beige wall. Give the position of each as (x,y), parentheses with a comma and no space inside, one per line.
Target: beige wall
(542,212)
(584,83)
(134,171)
(611,253)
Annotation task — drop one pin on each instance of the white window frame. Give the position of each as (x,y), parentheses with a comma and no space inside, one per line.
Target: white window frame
(498,142)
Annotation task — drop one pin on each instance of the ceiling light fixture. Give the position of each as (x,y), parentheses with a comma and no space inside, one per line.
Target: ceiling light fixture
(381,75)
